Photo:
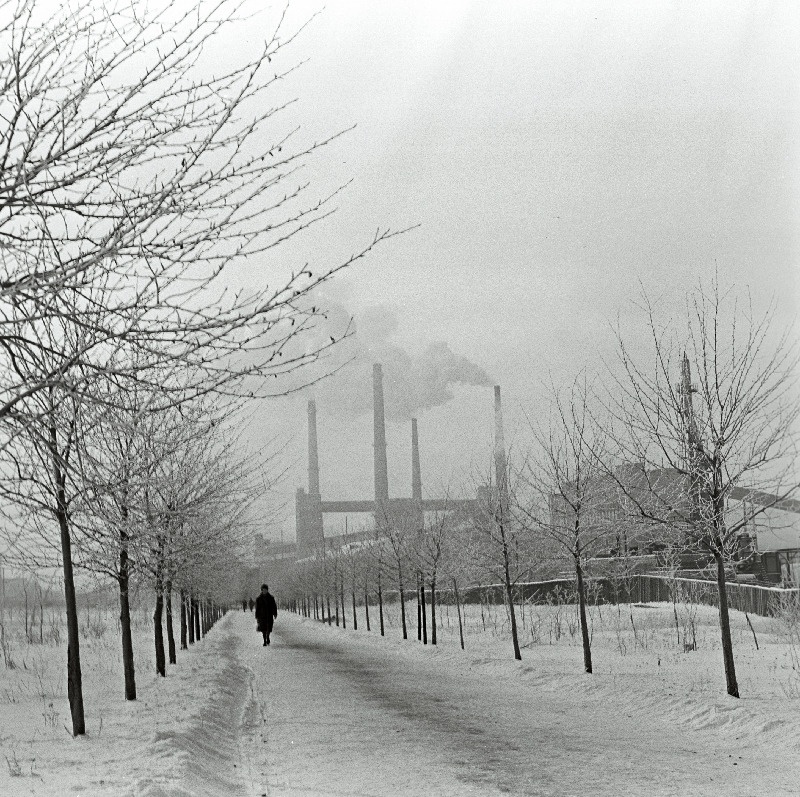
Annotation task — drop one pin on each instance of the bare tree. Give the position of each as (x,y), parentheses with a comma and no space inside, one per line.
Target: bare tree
(570,498)
(395,531)
(710,414)
(116,467)
(198,494)
(39,480)
(432,550)
(132,179)
(500,542)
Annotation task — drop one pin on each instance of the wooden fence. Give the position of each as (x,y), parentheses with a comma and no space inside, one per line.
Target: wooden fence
(638,588)
(751,598)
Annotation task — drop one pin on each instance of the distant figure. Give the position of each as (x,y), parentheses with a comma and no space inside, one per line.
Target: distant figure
(244,605)
(266,612)
(252,603)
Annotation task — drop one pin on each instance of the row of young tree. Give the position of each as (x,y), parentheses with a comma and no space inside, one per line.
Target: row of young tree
(408,565)
(135,176)
(691,438)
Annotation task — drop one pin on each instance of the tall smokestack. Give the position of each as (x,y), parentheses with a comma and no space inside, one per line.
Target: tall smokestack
(416,475)
(686,390)
(381,471)
(313,455)
(500,474)
(695,460)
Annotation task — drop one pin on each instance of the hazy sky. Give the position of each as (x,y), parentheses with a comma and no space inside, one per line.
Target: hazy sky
(554,155)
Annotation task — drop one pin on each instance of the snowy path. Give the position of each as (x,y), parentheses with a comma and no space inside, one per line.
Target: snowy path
(324,711)
(345,713)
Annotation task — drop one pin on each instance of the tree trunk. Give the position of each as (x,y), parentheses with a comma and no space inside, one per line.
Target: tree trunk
(184,643)
(587,650)
(402,601)
(170,635)
(366,603)
(458,609)
(328,603)
(125,620)
(725,628)
(74,684)
(341,597)
(510,599)
(190,612)
(419,612)
(424,612)
(196,615)
(677,624)
(433,610)
(158,631)
(355,619)
(380,603)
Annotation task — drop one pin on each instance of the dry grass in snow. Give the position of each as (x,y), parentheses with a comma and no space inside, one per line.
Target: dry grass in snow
(185,733)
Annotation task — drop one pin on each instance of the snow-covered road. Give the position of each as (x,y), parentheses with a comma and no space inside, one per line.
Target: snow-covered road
(328,711)
(351,714)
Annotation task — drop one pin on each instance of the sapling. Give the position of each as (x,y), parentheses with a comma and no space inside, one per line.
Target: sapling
(458,611)
(709,410)
(380,600)
(422,609)
(366,596)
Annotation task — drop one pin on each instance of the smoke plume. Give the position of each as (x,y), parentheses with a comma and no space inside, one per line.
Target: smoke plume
(412,382)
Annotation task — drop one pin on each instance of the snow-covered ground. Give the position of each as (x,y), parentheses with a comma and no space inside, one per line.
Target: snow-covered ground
(325,710)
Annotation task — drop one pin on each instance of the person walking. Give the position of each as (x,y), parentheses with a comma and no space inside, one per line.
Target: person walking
(266,612)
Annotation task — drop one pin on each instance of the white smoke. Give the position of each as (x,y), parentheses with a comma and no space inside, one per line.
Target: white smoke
(412,382)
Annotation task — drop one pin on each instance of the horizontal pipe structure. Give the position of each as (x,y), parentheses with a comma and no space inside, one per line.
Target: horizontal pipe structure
(428,505)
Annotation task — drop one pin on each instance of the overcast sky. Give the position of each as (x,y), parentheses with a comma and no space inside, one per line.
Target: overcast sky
(555,155)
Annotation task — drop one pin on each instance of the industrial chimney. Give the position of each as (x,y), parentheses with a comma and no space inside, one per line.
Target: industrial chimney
(313,455)
(416,475)
(500,473)
(381,471)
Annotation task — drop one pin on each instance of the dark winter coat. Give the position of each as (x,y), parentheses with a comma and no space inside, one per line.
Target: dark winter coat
(266,611)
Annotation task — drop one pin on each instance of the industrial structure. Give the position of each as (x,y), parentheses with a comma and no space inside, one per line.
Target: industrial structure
(773,538)
(767,546)
(387,511)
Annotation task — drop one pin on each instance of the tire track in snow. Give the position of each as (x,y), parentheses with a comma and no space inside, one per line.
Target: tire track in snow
(321,735)
(358,716)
